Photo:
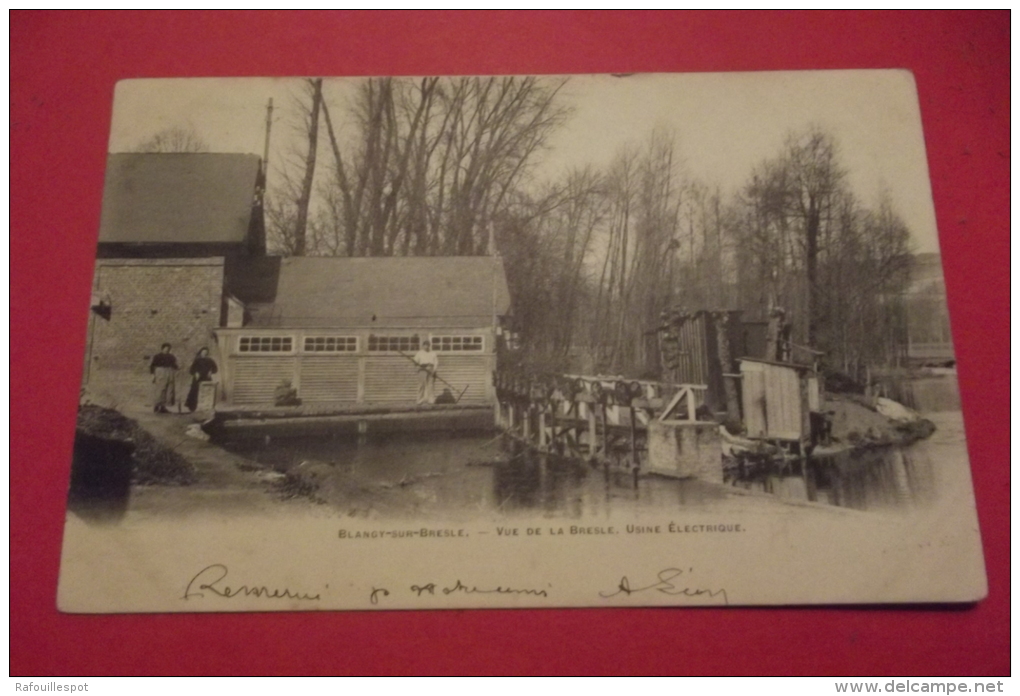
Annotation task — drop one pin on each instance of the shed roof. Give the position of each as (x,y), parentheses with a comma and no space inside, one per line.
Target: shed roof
(381,291)
(178,198)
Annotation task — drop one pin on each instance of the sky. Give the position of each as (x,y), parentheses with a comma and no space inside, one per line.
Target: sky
(724,123)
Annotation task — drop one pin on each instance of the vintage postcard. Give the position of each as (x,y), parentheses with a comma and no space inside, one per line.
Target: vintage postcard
(458,342)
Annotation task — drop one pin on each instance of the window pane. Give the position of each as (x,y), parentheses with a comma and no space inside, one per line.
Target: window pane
(333,344)
(265,344)
(457,344)
(389,344)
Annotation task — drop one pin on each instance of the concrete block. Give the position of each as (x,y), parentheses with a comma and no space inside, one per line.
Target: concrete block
(685,450)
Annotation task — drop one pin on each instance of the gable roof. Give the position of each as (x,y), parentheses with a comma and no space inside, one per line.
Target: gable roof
(381,291)
(178,198)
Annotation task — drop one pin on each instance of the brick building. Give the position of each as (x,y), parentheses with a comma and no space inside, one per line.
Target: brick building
(182,260)
(169,224)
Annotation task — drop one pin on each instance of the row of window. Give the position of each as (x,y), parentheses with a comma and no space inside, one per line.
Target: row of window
(454,344)
(349,344)
(392,344)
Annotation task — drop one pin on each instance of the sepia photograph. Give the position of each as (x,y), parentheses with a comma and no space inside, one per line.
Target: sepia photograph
(518,341)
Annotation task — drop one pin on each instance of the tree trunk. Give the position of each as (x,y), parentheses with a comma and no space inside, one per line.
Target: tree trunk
(722,337)
(300,243)
(811,264)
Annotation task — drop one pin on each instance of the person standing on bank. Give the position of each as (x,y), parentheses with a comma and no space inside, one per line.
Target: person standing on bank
(163,370)
(202,369)
(428,364)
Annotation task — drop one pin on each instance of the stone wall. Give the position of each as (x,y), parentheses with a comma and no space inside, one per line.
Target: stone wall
(151,302)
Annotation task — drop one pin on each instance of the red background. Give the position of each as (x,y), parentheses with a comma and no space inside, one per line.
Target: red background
(63,69)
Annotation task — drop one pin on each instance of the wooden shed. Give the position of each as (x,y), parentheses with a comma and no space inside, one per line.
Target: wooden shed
(701,348)
(342,330)
(777,399)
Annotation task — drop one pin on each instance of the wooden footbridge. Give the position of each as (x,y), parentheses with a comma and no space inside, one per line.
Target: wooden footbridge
(609,421)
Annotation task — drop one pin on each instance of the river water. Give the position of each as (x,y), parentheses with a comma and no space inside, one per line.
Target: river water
(430,475)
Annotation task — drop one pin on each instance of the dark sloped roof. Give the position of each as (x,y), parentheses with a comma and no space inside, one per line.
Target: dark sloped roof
(252,279)
(185,198)
(383,292)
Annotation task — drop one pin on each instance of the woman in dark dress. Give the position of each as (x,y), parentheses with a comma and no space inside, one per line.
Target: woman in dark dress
(202,370)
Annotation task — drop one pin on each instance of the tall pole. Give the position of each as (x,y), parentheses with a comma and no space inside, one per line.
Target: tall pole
(495,329)
(495,265)
(265,149)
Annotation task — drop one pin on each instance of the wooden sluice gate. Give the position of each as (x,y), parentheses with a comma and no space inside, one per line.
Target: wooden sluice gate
(637,426)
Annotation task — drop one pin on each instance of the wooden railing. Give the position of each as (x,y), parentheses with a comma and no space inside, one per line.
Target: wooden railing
(598,418)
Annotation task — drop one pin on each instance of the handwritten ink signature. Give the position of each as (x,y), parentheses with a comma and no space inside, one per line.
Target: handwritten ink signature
(419,590)
(210,579)
(460,587)
(499,589)
(666,585)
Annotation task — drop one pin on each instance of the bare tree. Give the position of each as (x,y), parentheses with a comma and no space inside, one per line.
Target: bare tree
(294,220)
(426,166)
(547,241)
(368,194)
(815,178)
(174,139)
(305,195)
(438,166)
(808,246)
(644,190)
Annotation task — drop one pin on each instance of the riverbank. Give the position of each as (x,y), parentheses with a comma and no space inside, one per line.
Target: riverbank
(133,460)
(861,422)
(418,474)
(125,444)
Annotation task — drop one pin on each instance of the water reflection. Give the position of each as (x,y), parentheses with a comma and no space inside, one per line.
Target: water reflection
(441,475)
(881,478)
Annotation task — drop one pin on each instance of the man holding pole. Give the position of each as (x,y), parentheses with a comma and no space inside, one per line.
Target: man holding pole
(428,364)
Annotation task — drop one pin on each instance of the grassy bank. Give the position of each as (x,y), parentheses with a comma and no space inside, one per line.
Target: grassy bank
(104,434)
